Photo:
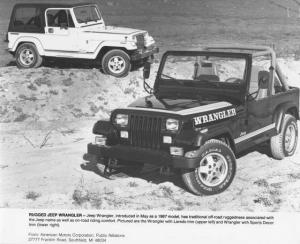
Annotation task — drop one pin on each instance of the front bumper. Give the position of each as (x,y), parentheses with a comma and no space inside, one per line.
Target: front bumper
(144,53)
(147,156)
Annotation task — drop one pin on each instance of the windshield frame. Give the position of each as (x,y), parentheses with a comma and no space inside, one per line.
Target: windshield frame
(89,22)
(238,89)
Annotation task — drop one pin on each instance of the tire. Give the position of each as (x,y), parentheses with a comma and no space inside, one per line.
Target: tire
(215,172)
(116,63)
(27,56)
(285,143)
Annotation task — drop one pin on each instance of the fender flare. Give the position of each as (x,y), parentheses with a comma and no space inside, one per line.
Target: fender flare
(219,133)
(113,44)
(279,113)
(103,127)
(198,138)
(32,40)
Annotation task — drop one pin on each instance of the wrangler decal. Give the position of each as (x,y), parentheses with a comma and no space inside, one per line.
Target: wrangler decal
(207,118)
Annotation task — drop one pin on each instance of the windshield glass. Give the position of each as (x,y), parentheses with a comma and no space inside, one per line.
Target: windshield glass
(198,70)
(87,14)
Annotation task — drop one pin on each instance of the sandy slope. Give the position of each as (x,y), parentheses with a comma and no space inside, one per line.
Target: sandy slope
(47,119)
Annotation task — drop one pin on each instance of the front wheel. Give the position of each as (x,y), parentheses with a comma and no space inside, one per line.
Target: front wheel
(285,143)
(116,63)
(216,169)
(27,56)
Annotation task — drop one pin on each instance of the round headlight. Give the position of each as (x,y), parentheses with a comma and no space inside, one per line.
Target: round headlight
(172,124)
(121,120)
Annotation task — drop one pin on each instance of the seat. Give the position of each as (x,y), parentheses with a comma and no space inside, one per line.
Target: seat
(263,83)
(62,18)
(50,19)
(18,23)
(206,71)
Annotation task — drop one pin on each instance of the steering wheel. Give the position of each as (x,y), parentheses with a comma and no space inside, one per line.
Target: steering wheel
(252,94)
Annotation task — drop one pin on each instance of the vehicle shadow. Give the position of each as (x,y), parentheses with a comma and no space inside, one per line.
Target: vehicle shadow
(61,63)
(11,63)
(70,63)
(149,173)
(64,63)
(263,148)
(152,173)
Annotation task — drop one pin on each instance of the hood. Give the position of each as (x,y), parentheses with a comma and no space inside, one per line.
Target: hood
(202,113)
(177,106)
(113,30)
(199,112)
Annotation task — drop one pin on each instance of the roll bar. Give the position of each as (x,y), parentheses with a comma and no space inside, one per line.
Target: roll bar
(256,51)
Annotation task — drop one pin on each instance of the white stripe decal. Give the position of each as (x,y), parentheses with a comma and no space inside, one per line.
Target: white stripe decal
(254,133)
(199,109)
(205,108)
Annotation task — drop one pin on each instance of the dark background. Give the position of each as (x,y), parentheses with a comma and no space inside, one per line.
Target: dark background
(178,24)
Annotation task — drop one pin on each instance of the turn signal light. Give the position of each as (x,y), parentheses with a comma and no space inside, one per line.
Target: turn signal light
(100,140)
(124,134)
(176,151)
(167,139)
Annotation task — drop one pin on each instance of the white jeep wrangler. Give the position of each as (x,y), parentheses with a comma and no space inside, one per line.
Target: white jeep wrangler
(75,31)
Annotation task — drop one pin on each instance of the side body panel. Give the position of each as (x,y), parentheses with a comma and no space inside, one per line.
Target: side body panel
(73,42)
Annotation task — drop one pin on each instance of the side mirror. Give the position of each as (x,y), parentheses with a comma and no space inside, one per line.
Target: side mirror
(146,75)
(263,79)
(146,71)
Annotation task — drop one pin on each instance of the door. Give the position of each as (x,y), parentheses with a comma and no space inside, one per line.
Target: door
(259,104)
(60,32)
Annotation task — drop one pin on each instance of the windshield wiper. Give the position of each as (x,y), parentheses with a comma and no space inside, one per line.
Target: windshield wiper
(174,79)
(167,76)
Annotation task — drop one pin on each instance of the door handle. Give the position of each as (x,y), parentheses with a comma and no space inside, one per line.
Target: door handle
(51,30)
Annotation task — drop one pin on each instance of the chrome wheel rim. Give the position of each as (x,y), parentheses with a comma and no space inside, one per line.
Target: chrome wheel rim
(116,64)
(27,57)
(213,169)
(290,138)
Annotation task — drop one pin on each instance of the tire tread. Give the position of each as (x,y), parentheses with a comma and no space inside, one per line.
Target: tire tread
(111,53)
(189,178)
(276,142)
(39,58)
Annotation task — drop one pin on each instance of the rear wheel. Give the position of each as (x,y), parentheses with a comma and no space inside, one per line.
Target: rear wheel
(216,169)
(285,143)
(27,56)
(116,63)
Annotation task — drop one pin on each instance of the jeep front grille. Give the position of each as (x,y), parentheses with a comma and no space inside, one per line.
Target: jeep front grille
(140,41)
(145,131)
